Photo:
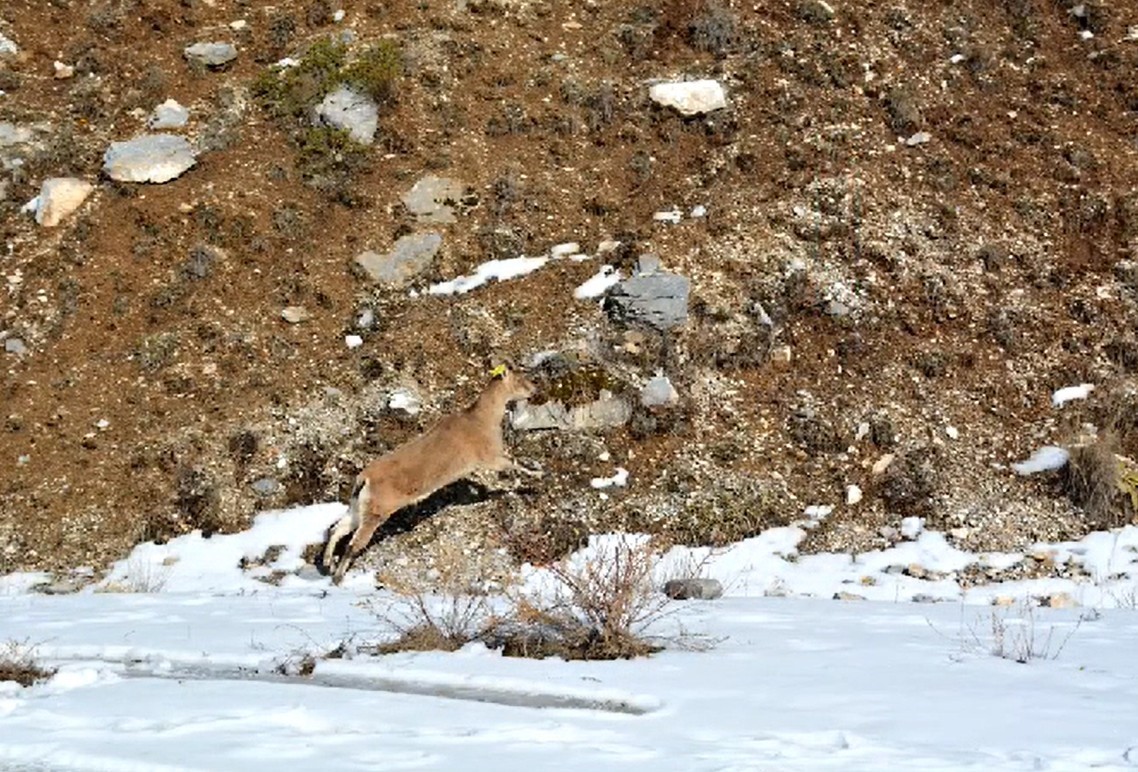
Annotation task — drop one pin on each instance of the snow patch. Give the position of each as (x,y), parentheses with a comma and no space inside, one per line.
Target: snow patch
(499,270)
(596,286)
(1045,459)
(1068,393)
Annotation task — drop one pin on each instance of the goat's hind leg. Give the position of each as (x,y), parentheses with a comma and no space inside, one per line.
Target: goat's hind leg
(369,523)
(344,526)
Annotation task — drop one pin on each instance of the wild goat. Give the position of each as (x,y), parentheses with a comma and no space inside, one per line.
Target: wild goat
(456,446)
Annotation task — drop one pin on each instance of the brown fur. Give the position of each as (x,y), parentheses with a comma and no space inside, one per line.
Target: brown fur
(456,446)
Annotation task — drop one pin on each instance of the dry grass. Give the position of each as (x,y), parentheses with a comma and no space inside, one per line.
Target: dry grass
(141,577)
(1013,633)
(17,663)
(1092,481)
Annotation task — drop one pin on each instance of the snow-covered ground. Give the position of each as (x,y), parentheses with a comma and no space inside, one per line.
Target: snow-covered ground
(185,677)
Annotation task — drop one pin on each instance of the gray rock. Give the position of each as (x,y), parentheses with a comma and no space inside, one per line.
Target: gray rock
(15,346)
(59,197)
(365,320)
(266,486)
(211,54)
(8,47)
(149,158)
(693,589)
(657,298)
(607,412)
(658,391)
(12,134)
(351,111)
(432,199)
(411,255)
(168,115)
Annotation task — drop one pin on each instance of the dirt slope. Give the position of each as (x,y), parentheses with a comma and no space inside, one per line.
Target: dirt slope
(933,206)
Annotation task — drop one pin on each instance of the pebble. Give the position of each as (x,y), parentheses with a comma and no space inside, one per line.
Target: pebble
(843,595)
(149,158)
(353,341)
(853,494)
(59,197)
(295,314)
(211,54)
(15,346)
(168,115)
(63,71)
(8,47)
(693,589)
(658,391)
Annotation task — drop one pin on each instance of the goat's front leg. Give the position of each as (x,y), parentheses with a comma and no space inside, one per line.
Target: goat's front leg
(359,542)
(505,463)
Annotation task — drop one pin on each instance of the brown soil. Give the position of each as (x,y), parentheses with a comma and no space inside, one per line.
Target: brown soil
(973,274)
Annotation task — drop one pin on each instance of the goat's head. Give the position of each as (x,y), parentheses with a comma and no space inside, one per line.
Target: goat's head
(512,383)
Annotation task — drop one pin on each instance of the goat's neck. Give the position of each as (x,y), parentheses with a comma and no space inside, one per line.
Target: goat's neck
(491,403)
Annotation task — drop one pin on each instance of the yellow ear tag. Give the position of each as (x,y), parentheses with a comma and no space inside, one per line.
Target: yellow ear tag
(498,371)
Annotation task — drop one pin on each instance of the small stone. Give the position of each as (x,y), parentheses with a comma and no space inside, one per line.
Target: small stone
(564,250)
(781,355)
(295,314)
(238,25)
(149,158)
(853,494)
(168,115)
(365,320)
(1059,600)
(8,47)
(410,256)
(59,197)
(917,571)
(920,138)
(353,341)
(351,111)
(881,464)
(62,71)
(338,15)
(924,597)
(432,199)
(658,391)
(694,97)
(406,400)
(266,486)
(952,432)
(843,595)
(647,264)
(15,346)
(693,589)
(211,54)
(1004,600)
(697,211)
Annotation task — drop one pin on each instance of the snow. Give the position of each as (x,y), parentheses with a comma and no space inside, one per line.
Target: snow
(189,677)
(599,284)
(619,479)
(1068,393)
(1045,459)
(501,270)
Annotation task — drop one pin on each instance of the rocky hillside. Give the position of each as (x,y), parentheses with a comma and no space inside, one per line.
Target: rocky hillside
(845,273)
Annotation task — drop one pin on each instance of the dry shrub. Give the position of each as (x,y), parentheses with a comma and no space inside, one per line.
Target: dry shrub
(597,608)
(17,663)
(1091,480)
(441,614)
